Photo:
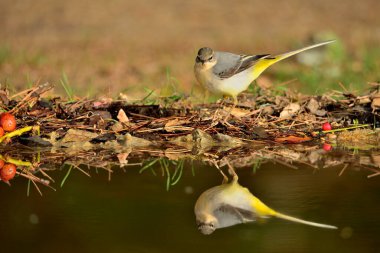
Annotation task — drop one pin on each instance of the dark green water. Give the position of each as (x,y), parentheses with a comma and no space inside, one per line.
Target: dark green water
(134,213)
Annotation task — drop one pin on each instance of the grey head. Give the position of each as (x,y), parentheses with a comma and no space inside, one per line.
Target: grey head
(205,54)
(206,228)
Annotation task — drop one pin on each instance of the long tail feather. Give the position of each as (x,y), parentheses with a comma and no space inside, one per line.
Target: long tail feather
(290,218)
(265,62)
(291,53)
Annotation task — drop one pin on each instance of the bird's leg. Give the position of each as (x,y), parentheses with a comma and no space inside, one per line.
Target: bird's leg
(231,109)
(204,101)
(225,178)
(232,172)
(206,96)
(217,110)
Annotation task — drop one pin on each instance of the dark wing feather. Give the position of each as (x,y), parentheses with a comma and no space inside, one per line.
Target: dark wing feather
(230,64)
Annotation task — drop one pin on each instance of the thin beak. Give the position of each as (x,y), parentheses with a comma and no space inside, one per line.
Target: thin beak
(201,61)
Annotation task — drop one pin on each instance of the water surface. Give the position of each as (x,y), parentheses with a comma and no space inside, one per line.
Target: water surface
(134,212)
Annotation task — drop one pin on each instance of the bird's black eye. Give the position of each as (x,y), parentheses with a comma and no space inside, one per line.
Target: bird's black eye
(211,58)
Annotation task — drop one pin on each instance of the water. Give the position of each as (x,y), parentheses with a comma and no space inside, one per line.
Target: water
(135,212)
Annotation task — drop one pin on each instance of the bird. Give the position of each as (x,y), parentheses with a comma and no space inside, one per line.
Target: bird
(229,74)
(230,204)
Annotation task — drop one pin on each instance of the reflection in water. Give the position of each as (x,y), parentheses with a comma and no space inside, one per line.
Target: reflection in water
(89,207)
(230,203)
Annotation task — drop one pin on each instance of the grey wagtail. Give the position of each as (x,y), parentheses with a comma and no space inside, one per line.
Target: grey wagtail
(230,204)
(230,74)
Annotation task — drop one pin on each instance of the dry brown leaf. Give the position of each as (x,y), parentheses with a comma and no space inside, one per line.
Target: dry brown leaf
(363,100)
(292,139)
(176,122)
(239,113)
(102,103)
(375,101)
(174,155)
(313,105)
(123,158)
(289,111)
(176,125)
(122,117)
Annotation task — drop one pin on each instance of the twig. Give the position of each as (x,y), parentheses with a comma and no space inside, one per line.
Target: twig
(344,168)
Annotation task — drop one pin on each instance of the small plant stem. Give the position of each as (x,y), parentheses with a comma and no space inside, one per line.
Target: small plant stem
(346,128)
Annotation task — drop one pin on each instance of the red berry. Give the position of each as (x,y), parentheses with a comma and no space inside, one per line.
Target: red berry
(2,163)
(8,122)
(8,172)
(327,147)
(1,131)
(326,126)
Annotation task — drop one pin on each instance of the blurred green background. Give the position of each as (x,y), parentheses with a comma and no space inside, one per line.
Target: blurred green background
(102,48)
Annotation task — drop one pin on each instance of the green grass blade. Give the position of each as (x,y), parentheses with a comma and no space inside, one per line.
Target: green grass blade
(153,172)
(148,165)
(66,86)
(167,178)
(256,166)
(66,176)
(179,176)
(147,96)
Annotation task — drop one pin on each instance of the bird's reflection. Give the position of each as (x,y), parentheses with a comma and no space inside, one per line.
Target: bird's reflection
(230,204)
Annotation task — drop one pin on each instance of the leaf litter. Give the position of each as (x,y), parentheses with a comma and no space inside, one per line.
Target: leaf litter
(285,128)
